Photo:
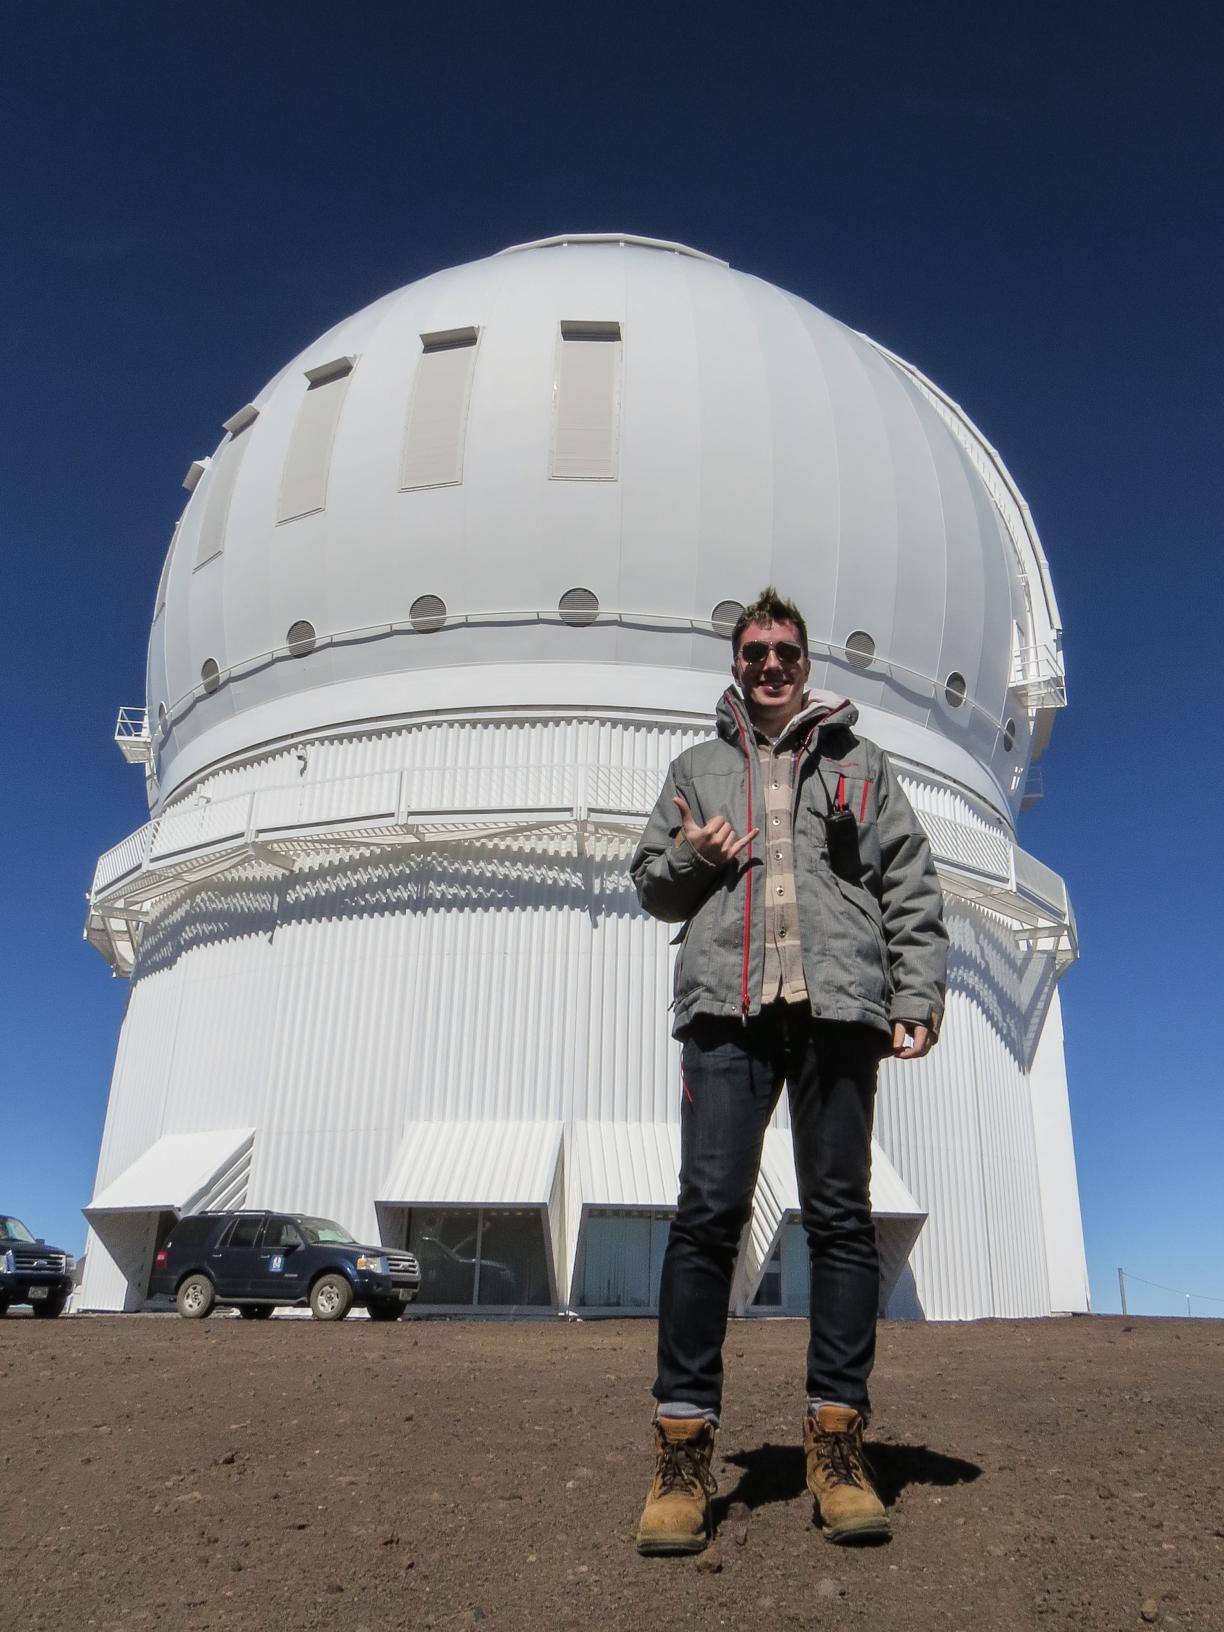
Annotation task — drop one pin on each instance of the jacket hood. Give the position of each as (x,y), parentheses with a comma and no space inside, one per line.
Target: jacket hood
(819,708)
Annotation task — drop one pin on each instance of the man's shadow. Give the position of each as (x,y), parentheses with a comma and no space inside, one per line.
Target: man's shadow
(776,1473)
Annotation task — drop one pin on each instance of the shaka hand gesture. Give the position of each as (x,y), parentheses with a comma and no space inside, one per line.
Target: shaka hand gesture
(717,842)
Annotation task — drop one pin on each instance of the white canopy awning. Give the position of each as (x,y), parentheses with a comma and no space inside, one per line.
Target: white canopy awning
(473,1164)
(182,1173)
(898,1216)
(624,1164)
(633,1166)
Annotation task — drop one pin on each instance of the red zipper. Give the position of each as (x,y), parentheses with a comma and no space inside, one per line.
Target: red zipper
(745,1001)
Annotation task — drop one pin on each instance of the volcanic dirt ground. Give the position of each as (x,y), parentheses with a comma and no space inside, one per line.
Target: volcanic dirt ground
(159,1473)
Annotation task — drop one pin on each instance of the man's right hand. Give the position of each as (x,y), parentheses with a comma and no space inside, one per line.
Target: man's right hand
(717,842)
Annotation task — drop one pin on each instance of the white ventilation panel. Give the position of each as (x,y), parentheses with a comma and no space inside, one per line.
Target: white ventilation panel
(587,423)
(222,479)
(437,415)
(304,484)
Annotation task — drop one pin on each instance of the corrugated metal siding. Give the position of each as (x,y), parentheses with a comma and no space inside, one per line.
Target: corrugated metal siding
(1064,1231)
(144,1068)
(938,1156)
(959,1130)
(321,1171)
(958,830)
(465,755)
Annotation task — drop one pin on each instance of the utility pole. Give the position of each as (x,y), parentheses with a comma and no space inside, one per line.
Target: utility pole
(1122,1288)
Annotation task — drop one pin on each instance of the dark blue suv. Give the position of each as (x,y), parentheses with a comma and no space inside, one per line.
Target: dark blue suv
(259,1261)
(31,1271)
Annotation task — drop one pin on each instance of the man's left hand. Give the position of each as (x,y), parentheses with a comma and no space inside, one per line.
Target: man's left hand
(911,1047)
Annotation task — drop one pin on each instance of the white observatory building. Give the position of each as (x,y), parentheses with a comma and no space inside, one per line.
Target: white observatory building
(448,596)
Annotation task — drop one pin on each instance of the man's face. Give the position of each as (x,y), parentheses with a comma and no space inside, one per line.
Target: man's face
(772,684)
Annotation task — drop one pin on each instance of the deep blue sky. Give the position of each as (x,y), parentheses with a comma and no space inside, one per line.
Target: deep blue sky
(1023,200)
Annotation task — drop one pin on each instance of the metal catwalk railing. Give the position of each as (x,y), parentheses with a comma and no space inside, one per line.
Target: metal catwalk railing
(584,808)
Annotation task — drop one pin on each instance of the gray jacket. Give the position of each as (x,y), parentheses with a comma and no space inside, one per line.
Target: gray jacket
(874,942)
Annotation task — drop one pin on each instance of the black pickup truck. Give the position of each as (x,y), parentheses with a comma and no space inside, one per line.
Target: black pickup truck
(31,1271)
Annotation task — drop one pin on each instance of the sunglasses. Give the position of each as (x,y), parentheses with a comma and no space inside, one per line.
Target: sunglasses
(756,651)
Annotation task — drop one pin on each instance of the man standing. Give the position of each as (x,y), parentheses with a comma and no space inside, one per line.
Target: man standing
(812,946)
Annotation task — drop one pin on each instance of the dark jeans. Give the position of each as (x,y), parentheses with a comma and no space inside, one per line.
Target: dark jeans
(733,1074)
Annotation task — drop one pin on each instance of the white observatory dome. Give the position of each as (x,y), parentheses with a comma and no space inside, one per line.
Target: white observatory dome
(451,594)
(543,476)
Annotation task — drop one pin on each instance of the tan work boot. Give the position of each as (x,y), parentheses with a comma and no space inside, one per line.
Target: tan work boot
(839,1478)
(676,1518)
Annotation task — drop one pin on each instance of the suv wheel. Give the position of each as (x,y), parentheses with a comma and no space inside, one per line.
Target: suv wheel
(195,1297)
(3,1307)
(51,1310)
(256,1311)
(392,1310)
(331,1298)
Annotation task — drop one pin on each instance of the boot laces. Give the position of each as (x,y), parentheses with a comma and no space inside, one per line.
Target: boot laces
(840,1457)
(683,1467)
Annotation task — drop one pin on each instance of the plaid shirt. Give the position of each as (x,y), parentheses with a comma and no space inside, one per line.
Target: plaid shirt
(783,977)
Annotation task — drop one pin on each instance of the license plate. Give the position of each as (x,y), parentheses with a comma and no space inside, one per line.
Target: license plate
(404,1294)
(37,1292)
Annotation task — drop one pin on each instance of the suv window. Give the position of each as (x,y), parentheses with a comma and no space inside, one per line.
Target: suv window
(281,1233)
(325,1232)
(193,1230)
(245,1232)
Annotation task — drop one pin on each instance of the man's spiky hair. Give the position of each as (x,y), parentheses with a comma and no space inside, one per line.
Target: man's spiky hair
(769,607)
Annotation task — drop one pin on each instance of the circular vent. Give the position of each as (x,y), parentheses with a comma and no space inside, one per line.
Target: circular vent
(1009,736)
(161,716)
(301,638)
(860,650)
(210,674)
(578,606)
(954,689)
(427,612)
(725,616)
